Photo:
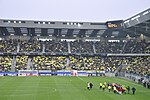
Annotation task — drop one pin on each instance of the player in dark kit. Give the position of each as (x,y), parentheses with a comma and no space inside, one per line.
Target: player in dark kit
(88,85)
(91,85)
(128,88)
(133,90)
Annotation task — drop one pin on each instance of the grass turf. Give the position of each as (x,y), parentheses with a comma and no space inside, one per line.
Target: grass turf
(65,88)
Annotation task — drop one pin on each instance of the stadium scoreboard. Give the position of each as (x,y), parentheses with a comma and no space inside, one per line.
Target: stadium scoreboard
(114,24)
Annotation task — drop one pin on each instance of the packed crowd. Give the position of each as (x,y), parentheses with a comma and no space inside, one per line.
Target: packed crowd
(30,46)
(56,46)
(8,45)
(136,47)
(21,62)
(81,47)
(109,47)
(5,63)
(49,63)
(139,66)
(94,63)
(135,65)
(77,46)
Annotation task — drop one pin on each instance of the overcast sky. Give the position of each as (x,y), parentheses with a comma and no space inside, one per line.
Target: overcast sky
(71,10)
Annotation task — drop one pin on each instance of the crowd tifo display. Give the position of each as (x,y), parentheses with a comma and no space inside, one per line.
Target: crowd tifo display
(134,64)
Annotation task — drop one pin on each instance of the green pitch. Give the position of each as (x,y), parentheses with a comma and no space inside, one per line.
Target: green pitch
(64,88)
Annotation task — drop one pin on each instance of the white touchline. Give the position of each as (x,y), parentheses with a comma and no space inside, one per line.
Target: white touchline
(129,82)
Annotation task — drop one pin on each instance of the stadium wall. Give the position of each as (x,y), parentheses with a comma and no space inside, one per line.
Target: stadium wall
(50,73)
(136,78)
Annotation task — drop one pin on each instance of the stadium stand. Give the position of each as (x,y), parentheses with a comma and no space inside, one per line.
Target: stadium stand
(5,63)
(30,46)
(115,48)
(49,62)
(81,46)
(137,47)
(21,62)
(8,45)
(56,46)
(109,47)
(75,46)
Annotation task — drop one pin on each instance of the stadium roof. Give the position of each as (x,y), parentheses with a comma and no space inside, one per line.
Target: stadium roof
(134,27)
(139,24)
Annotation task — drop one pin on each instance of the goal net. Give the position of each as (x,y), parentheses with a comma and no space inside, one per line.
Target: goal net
(27,73)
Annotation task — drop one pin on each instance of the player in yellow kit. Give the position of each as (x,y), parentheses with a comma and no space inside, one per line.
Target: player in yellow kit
(109,88)
(115,89)
(100,85)
(103,87)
